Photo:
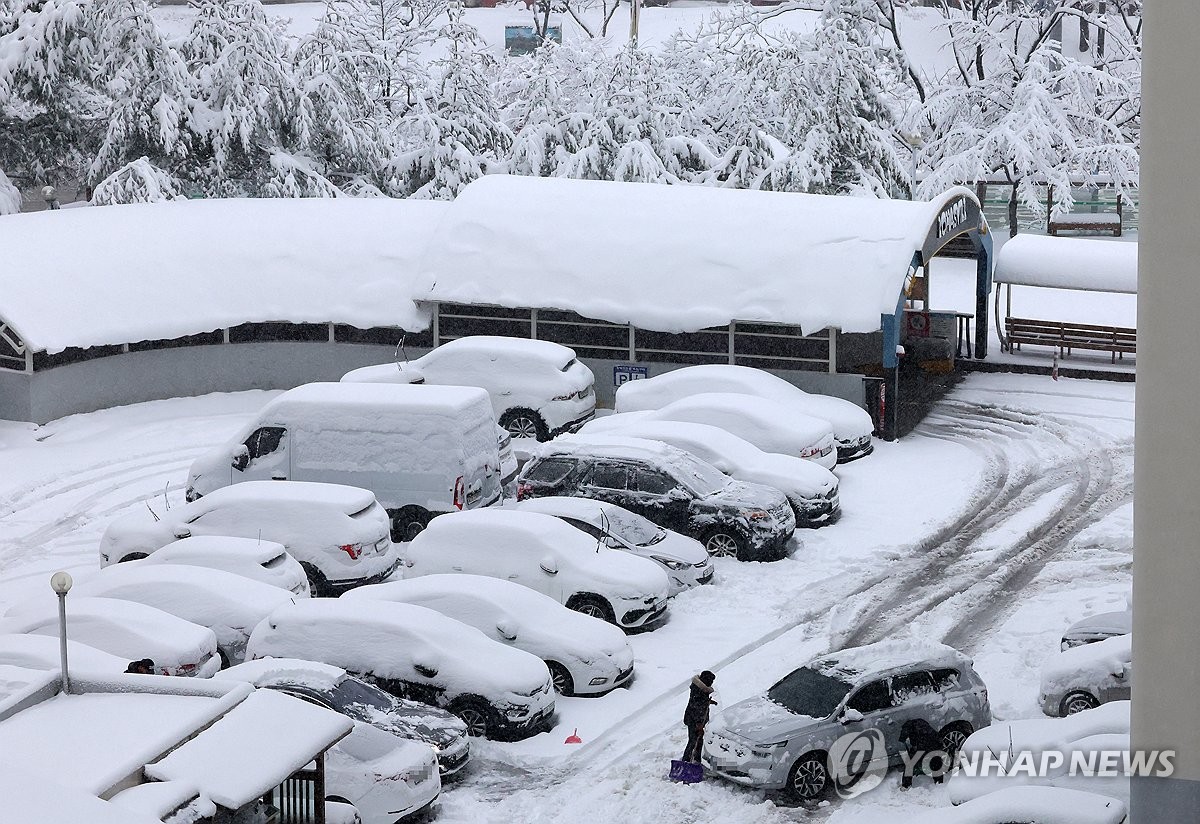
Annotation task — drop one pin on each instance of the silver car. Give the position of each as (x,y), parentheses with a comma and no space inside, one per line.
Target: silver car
(782,740)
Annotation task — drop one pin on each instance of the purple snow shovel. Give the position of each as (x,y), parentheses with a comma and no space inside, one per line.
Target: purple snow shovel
(686,772)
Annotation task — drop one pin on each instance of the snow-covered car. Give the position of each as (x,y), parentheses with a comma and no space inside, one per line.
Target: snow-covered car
(385,777)
(416,653)
(812,489)
(126,629)
(684,559)
(335,689)
(41,652)
(780,740)
(585,656)
(230,605)
(772,426)
(546,555)
(1084,677)
(852,425)
(1033,805)
(668,486)
(509,466)
(538,388)
(340,534)
(1081,738)
(1097,628)
(265,561)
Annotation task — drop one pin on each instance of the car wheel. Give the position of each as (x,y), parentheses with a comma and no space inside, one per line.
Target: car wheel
(224,658)
(477,715)
(525,423)
(594,606)
(133,556)
(953,737)
(1078,702)
(809,778)
(409,522)
(317,583)
(563,683)
(724,542)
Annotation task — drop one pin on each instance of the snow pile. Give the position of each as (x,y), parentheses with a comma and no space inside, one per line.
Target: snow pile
(1086,264)
(258,560)
(42,652)
(20,684)
(30,796)
(252,748)
(266,672)
(1045,805)
(138,181)
(723,247)
(10,196)
(164,270)
(179,800)
(1092,667)
(859,663)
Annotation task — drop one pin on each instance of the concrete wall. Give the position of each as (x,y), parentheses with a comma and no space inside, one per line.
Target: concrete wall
(198,370)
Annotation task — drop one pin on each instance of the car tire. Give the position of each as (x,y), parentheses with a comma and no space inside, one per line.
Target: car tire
(563,683)
(478,715)
(725,542)
(133,556)
(318,584)
(409,522)
(1074,702)
(525,423)
(224,658)
(808,779)
(953,736)
(592,605)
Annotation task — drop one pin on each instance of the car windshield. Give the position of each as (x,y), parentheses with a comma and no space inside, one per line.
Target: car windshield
(360,700)
(700,477)
(633,528)
(808,692)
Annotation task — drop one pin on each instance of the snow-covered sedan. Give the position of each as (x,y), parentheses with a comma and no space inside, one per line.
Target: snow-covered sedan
(264,561)
(230,605)
(684,559)
(538,388)
(126,629)
(772,426)
(1097,628)
(385,777)
(335,689)
(1033,805)
(414,652)
(585,656)
(340,534)
(812,489)
(1086,676)
(852,426)
(546,555)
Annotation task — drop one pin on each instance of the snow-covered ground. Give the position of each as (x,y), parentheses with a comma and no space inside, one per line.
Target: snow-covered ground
(1004,518)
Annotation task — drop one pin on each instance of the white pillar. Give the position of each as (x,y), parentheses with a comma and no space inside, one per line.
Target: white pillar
(1166,566)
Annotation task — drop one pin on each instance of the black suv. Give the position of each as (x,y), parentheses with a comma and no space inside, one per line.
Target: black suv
(668,486)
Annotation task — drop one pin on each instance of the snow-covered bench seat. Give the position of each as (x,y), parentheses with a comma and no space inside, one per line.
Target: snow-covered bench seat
(1066,336)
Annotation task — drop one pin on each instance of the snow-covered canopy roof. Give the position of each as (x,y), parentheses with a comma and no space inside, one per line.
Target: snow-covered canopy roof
(32,796)
(121,274)
(678,258)
(253,748)
(1086,264)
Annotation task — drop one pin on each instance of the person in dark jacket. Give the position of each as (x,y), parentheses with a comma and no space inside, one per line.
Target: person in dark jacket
(919,739)
(695,717)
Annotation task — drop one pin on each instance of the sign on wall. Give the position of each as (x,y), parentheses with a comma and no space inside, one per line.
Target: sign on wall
(625,373)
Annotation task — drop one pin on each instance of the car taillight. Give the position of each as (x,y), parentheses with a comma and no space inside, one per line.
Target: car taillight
(459,492)
(523,491)
(353,550)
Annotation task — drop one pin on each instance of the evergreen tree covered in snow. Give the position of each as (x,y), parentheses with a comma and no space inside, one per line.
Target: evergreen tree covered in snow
(138,181)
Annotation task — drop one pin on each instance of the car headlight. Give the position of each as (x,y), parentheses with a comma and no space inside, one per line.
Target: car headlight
(767,750)
(517,710)
(755,514)
(668,563)
(595,682)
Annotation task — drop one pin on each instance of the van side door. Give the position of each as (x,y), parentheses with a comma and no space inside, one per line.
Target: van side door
(266,457)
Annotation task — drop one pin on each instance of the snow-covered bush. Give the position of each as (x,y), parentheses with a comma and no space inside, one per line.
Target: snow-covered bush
(138,181)
(10,196)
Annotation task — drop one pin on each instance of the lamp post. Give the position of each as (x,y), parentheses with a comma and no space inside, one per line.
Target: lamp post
(61,582)
(914,140)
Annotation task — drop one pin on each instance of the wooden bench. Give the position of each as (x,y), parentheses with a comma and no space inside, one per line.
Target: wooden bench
(1067,336)
(1092,223)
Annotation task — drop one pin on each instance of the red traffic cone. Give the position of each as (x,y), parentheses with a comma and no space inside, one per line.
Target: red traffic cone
(574,738)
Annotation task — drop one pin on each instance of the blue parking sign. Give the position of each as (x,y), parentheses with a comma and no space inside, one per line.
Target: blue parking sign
(626,372)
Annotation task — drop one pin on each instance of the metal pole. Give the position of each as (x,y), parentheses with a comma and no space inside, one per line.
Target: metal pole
(1166,566)
(635,13)
(62,641)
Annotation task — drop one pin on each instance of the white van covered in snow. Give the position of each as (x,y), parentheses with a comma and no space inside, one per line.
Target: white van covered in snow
(423,450)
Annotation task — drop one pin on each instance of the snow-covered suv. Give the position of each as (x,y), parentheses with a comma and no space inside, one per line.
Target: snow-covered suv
(668,486)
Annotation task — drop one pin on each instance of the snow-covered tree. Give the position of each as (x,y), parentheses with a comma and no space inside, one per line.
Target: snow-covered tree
(138,181)
(10,196)
(295,176)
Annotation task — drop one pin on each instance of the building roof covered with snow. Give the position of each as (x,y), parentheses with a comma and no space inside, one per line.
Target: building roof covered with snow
(1085,264)
(680,258)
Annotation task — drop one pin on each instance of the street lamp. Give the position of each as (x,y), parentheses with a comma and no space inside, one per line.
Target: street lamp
(914,140)
(61,582)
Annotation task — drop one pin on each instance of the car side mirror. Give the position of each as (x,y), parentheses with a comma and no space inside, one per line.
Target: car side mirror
(507,631)
(240,458)
(428,672)
(182,532)
(851,716)
(549,566)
